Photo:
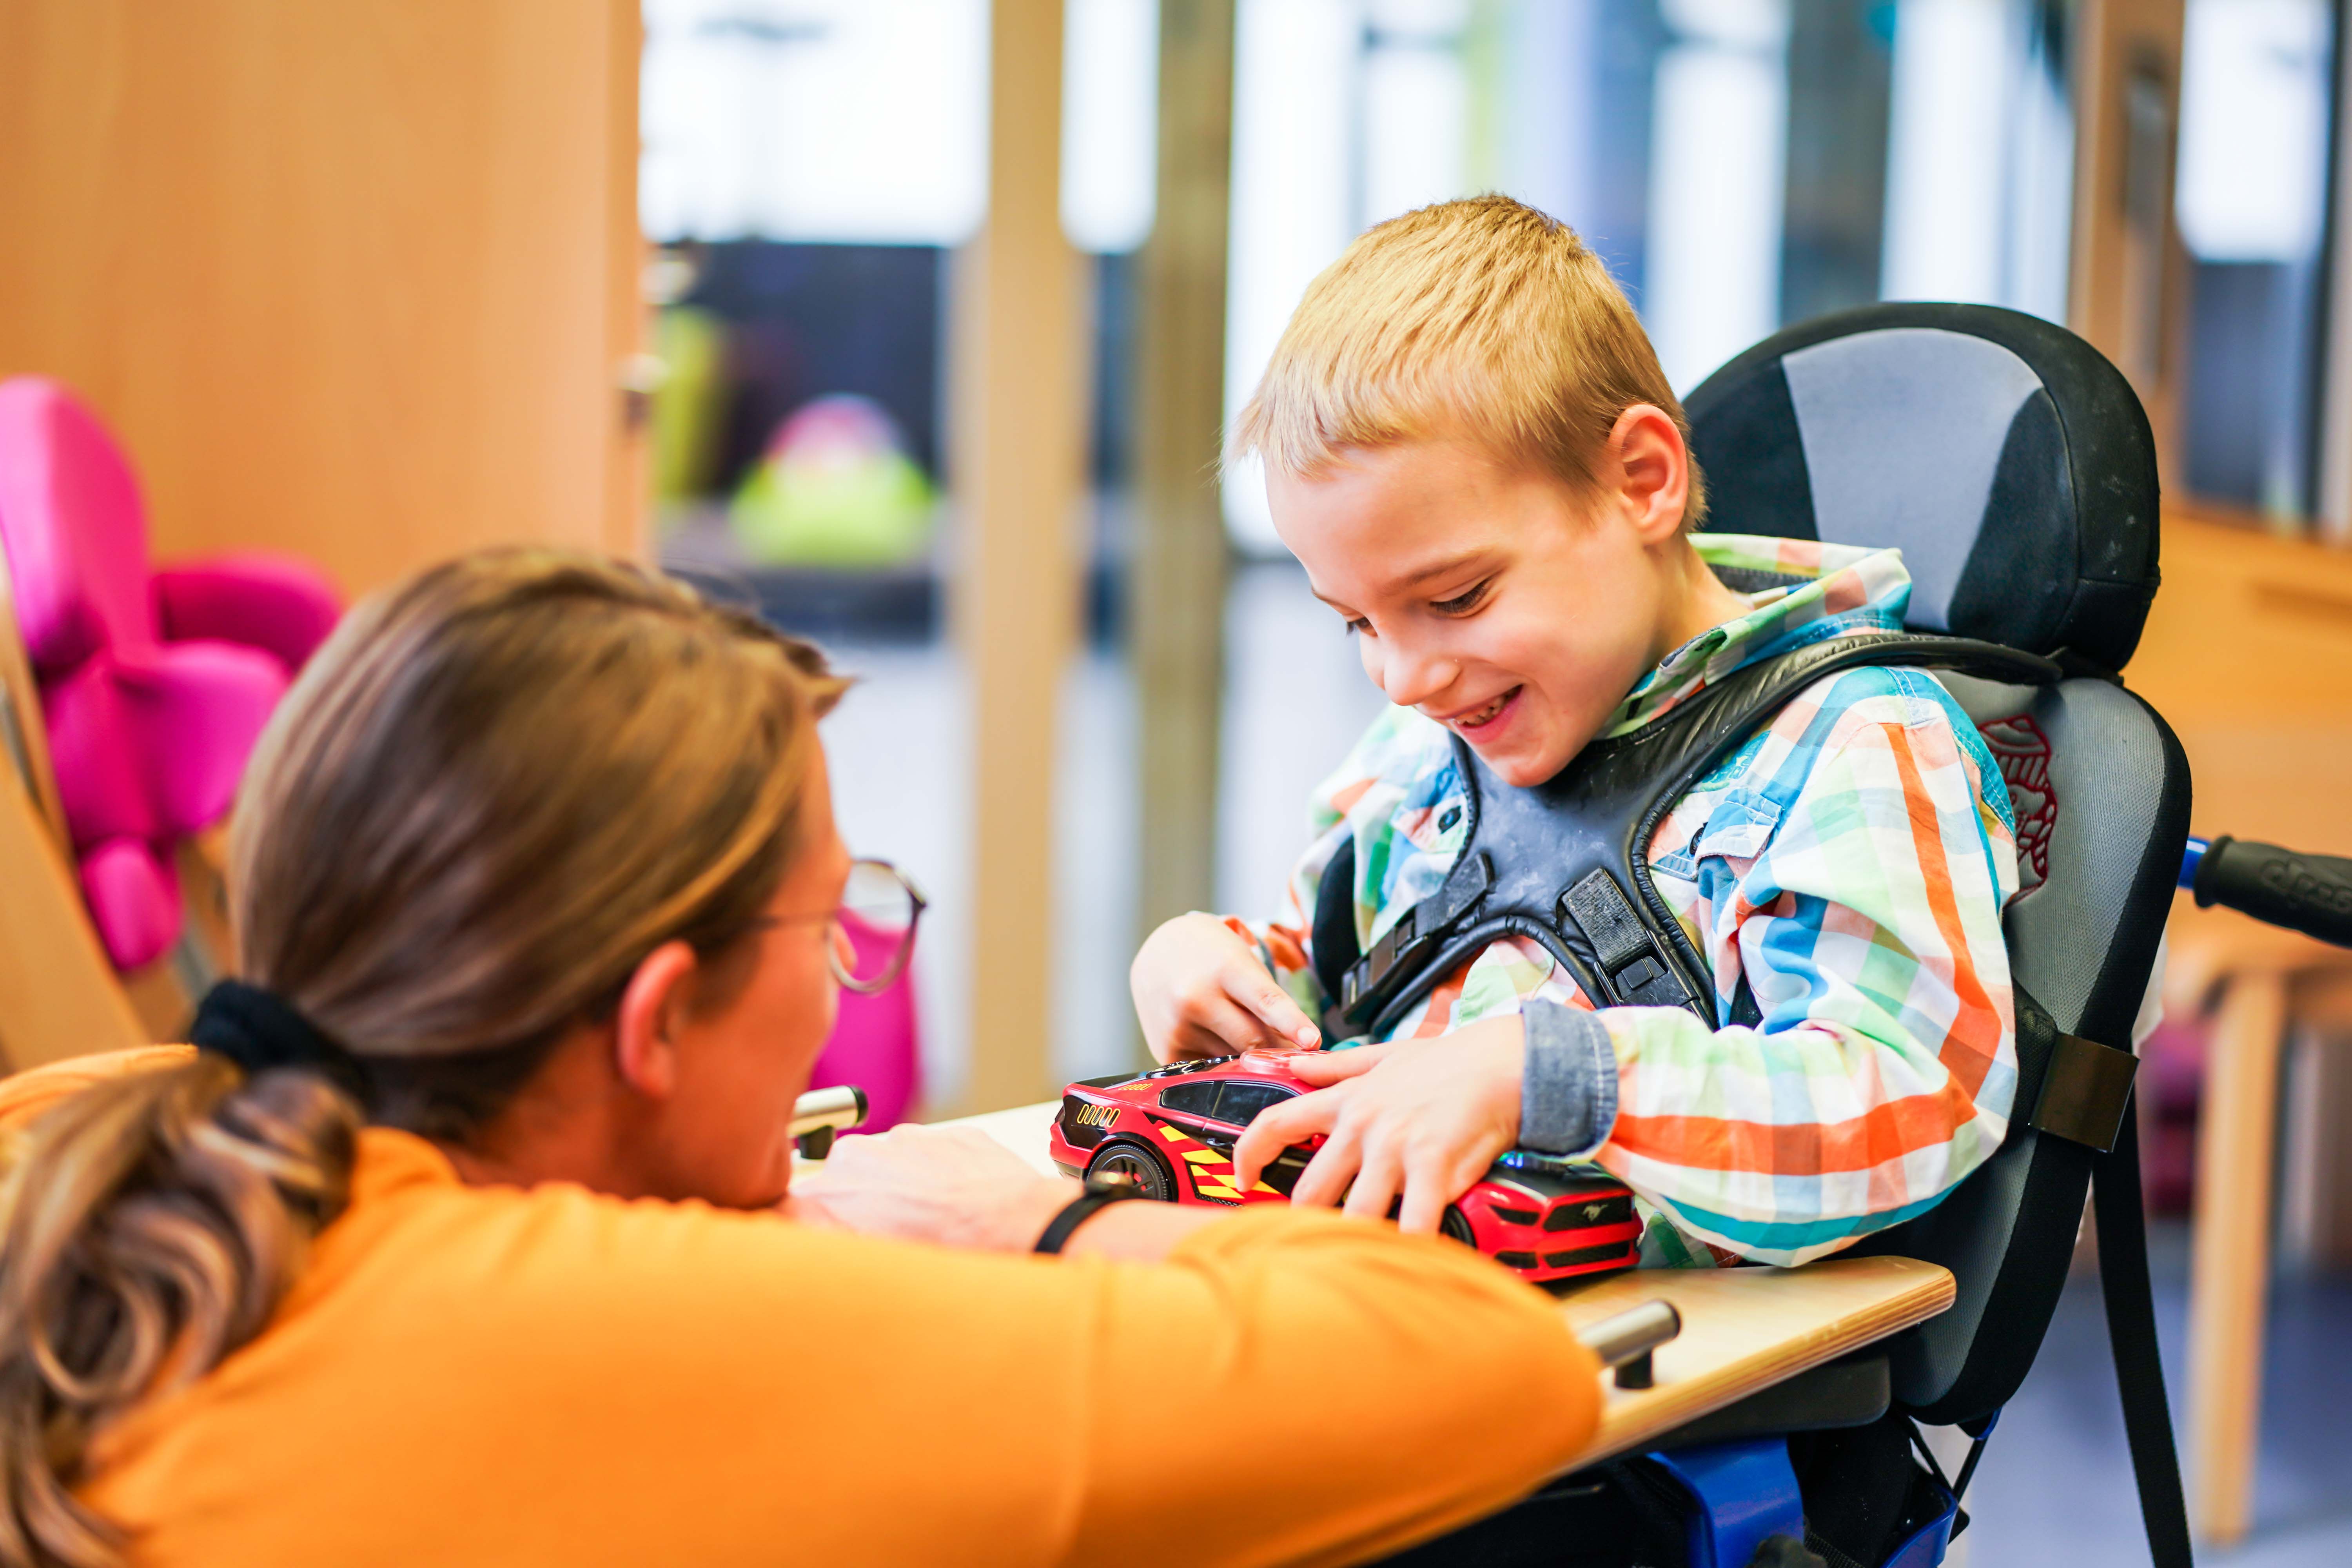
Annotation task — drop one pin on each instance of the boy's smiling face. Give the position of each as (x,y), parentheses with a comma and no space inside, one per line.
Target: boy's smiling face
(1511,607)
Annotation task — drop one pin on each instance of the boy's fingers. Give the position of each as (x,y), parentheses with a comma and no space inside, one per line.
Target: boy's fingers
(1376,1184)
(1426,1198)
(1322,1067)
(1216,1027)
(1277,1128)
(1190,1042)
(1286,1022)
(1327,1175)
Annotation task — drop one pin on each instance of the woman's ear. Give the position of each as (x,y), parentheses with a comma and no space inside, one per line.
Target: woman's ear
(653,1012)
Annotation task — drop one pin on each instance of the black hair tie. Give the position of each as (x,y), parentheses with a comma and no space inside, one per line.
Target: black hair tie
(260,1030)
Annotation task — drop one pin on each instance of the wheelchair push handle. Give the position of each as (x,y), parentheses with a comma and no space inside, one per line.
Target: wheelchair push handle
(2309,893)
(1625,1341)
(821,1113)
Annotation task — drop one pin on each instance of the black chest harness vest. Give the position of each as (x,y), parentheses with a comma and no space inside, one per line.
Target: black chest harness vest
(1565,864)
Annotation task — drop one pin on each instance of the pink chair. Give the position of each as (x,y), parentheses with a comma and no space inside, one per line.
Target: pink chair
(875,1042)
(153,685)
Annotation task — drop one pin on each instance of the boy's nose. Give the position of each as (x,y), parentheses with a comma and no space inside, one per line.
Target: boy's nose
(1410,679)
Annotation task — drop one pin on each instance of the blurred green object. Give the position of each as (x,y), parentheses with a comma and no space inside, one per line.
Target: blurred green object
(835,488)
(692,346)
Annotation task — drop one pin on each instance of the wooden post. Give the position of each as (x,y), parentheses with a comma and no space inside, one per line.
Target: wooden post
(1017,428)
(2126,290)
(23,733)
(2228,1287)
(58,995)
(628,476)
(1176,576)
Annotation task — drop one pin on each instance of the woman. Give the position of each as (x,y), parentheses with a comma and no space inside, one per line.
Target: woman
(460,1243)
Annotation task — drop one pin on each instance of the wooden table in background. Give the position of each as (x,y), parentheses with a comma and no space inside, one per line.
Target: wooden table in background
(1743,1329)
(2254,983)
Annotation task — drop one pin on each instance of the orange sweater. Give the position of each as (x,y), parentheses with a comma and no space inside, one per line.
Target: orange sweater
(546,1375)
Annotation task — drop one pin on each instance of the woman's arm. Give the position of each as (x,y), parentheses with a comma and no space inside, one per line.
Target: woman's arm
(960,1188)
(1262,1386)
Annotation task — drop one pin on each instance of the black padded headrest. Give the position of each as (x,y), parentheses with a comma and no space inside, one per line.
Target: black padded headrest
(2005,457)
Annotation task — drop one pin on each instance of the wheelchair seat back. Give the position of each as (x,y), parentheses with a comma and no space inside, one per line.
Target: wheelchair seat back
(2013,467)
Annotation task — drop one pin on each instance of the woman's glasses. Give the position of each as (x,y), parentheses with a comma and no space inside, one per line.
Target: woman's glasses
(874,927)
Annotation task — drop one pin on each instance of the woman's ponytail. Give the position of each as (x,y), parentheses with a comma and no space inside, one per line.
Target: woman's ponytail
(148,1227)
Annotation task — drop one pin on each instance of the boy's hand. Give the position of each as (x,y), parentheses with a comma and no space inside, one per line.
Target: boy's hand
(1425,1118)
(1201,991)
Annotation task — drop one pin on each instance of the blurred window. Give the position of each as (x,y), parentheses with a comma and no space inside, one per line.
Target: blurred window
(1979,161)
(1739,164)
(1711,285)
(841,121)
(2251,198)
(1110,134)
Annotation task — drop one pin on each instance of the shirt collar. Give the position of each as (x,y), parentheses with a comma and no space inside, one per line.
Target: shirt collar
(1803,591)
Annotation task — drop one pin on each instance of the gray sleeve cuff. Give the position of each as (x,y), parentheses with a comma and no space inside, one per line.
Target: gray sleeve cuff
(1567,1090)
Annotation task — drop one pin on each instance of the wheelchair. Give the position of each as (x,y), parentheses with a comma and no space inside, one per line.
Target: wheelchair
(2013,466)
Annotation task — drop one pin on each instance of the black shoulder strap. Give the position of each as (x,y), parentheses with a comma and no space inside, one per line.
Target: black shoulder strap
(2115,1200)
(1331,936)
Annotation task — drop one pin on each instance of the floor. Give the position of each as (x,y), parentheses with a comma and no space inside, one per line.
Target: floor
(2055,1484)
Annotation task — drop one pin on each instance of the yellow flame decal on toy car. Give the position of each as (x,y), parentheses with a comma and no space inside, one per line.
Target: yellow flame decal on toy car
(1212,1172)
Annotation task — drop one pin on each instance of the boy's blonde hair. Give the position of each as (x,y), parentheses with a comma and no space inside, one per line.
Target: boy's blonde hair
(1483,318)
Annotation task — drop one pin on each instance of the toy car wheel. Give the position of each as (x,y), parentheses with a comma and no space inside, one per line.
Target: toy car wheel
(1125,1161)
(1455,1226)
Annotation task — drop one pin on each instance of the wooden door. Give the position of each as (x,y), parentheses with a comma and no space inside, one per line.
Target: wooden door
(355,280)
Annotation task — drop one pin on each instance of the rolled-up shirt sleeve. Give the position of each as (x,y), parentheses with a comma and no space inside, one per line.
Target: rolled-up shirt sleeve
(1568,1090)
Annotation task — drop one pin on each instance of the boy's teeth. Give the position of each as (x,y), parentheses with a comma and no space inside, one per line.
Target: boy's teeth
(1486,713)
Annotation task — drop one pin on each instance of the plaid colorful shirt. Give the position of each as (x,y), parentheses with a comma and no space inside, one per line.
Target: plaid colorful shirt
(1850,860)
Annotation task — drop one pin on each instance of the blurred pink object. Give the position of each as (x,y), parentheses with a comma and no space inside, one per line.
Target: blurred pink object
(154,685)
(875,1043)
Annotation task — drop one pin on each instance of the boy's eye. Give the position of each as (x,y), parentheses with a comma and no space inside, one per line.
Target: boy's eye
(1357,623)
(1462,604)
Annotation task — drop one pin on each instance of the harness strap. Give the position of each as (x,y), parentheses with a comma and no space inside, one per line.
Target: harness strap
(1606,924)
(2082,1090)
(2131,1334)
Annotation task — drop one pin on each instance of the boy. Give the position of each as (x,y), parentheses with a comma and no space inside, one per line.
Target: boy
(1470,447)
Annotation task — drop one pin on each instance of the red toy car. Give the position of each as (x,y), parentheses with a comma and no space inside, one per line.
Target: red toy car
(1547,1217)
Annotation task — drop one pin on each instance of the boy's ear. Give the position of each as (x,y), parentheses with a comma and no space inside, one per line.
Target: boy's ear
(647,1025)
(1652,470)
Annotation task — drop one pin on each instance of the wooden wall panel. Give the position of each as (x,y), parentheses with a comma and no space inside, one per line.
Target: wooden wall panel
(2248,654)
(354,279)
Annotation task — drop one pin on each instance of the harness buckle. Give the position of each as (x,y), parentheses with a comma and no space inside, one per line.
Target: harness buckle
(1409,941)
(2085,1090)
(1626,952)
